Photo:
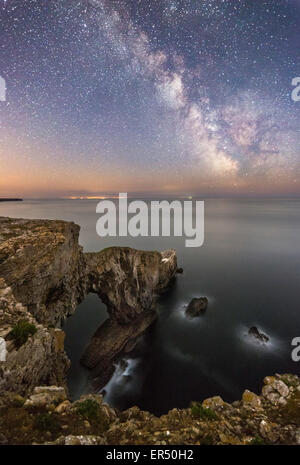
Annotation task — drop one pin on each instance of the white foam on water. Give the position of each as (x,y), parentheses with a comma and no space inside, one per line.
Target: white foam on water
(274,344)
(124,379)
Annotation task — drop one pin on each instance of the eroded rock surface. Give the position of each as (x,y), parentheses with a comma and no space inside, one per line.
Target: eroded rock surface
(41,359)
(127,279)
(255,419)
(43,264)
(44,275)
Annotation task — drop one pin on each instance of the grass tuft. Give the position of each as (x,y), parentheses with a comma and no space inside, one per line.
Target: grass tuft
(46,422)
(21,332)
(203,413)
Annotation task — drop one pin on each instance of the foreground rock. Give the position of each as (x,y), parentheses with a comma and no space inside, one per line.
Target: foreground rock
(41,359)
(270,418)
(196,307)
(256,334)
(44,275)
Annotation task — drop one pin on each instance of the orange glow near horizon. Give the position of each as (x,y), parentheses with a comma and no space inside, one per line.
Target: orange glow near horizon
(29,173)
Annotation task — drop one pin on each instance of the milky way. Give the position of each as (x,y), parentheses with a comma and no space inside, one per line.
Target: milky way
(180,96)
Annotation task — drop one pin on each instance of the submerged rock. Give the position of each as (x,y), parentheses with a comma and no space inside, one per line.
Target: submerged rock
(197,307)
(255,333)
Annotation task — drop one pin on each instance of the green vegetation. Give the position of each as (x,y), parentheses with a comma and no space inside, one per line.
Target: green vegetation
(91,411)
(207,440)
(257,441)
(203,413)
(46,422)
(18,401)
(21,332)
(290,413)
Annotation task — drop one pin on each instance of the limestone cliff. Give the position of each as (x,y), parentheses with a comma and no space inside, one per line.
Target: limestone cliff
(127,281)
(44,276)
(42,262)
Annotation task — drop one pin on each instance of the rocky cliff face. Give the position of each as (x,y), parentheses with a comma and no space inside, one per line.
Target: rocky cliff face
(41,359)
(42,262)
(127,281)
(44,276)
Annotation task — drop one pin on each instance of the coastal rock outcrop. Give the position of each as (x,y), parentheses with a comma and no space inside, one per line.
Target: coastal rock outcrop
(257,335)
(46,418)
(44,275)
(127,280)
(43,264)
(196,307)
(40,359)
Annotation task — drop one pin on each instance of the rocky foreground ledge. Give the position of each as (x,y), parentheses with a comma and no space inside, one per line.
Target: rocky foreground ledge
(44,275)
(48,417)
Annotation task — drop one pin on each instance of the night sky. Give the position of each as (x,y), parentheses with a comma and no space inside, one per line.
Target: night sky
(149,96)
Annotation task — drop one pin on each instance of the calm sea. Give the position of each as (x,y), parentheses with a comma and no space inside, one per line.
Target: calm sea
(248,267)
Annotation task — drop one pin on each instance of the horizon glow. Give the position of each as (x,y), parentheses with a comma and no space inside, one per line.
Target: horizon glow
(173,97)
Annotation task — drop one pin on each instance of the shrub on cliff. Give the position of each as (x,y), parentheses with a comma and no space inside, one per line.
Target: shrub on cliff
(46,422)
(203,413)
(90,410)
(21,332)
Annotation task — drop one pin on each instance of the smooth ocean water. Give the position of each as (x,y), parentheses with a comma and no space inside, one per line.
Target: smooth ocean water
(248,267)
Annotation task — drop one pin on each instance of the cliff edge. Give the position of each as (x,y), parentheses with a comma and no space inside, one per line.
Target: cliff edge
(44,275)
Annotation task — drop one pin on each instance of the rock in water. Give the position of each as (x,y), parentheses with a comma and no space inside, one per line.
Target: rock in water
(261,337)
(197,307)
(127,280)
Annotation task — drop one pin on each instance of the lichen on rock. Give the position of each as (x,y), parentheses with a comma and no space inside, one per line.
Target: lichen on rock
(253,420)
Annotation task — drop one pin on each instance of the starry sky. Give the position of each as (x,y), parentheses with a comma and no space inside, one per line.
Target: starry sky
(149,96)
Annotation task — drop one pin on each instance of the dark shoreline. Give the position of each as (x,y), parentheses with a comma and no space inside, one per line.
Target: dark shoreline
(11,200)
